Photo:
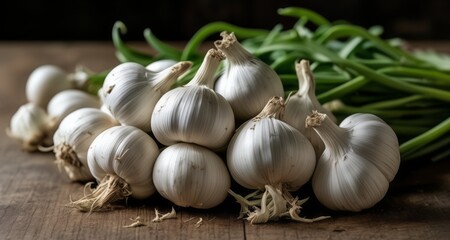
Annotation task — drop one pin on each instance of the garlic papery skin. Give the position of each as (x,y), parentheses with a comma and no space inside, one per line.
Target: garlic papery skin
(44,82)
(300,104)
(67,101)
(191,176)
(194,113)
(160,65)
(30,126)
(361,157)
(267,154)
(130,91)
(121,158)
(74,136)
(246,82)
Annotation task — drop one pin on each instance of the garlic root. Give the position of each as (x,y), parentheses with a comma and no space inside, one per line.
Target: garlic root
(273,204)
(111,189)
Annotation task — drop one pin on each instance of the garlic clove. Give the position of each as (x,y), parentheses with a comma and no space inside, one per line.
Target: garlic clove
(160,65)
(121,158)
(361,157)
(130,91)
(30,126)
(191,176)
(300,104)
(73,138)
(67,101)
(246,82)
(194,113)
(44,82)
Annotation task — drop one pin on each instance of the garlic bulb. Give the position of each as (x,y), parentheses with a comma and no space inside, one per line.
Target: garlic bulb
(67,101)
(302,103)
(361,157)
(191,176)
(160,65)
(267,153)
(131,91)
(121,158)
(44,82)
(30,126)
(73,138)
(247,82)
(194,113)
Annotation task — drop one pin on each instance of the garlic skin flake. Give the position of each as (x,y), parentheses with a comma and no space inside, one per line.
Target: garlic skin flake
(361,157)
(246,82)
(30,126)
(74,136)
(131,91)
(121,158)
(191,176)
(44,82)
(300,104)
(194,113)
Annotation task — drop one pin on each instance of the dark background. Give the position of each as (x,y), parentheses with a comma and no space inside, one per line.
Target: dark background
(178,20)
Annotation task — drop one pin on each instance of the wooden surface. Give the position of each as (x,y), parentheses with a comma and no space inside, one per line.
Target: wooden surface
(33,193)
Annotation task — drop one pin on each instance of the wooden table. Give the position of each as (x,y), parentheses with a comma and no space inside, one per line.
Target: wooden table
(33,193)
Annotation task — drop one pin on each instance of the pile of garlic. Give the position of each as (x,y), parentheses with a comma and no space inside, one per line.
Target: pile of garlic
(142,135)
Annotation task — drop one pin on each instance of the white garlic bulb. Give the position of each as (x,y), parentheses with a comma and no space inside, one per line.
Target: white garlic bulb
(121,158)
(74,136)
(44,82)
(67,101)
(130,91)
(268,154)
(191,176)
(302,103)
(194,113)
(361,157)
(160,65)
(30,126)
(246,82)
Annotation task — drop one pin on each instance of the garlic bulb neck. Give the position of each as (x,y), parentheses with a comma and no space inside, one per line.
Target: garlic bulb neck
(273,109)
(333,136)
(205,74)
(234,51)
(168,76)
(111,189)
(306,81)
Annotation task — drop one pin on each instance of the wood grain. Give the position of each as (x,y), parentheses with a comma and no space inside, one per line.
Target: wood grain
(33,194)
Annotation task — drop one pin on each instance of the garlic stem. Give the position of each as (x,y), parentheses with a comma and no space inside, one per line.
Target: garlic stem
(205,74)
(333,136)
(236,53)
(305,79)
(273,109)
(112,188)
(164,84)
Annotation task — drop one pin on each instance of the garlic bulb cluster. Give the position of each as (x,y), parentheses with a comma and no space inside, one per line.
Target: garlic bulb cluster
(302,103)
(131,91)
(121,158)
(191,176)
(44,82)
(361,157)
(194,113)
(73,138)
(30,126)
(246,82)
(267,153)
